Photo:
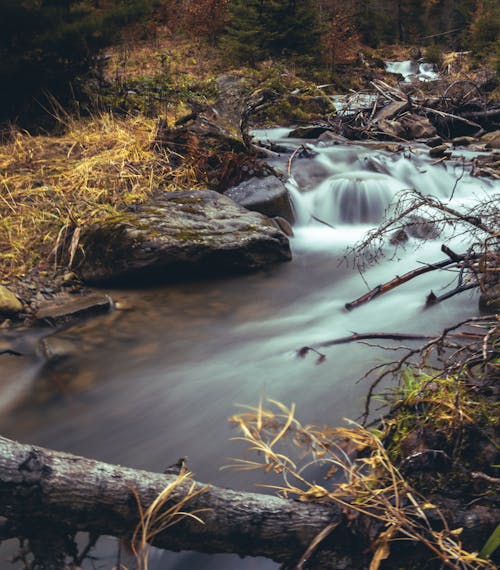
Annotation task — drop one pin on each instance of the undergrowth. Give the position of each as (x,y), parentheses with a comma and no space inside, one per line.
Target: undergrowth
(54,184)
(357,474)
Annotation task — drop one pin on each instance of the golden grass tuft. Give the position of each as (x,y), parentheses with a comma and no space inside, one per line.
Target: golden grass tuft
(97,167)
(162,513)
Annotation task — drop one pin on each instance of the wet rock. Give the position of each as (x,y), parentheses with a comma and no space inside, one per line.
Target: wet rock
(267,195)
(9,303)
(311,132)
(434,141)
(329,138)
(408,127)
(417,127)
(398,237)
(181,235)
(491,140)
(440,151)
(70,306)
(421,228)
(463,141)
(391,110)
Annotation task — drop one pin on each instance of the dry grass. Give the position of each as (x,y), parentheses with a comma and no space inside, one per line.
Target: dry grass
(160,515)
(52,184)
(162,52)
(360,477)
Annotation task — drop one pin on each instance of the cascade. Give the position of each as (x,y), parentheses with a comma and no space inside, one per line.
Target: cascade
(413,69)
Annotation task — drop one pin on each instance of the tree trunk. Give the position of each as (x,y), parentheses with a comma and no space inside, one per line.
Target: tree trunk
(47,496)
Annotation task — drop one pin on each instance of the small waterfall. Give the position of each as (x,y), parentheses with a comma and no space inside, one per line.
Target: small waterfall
(413,69)
(357,197)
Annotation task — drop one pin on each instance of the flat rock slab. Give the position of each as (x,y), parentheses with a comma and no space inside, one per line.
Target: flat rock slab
(66,306)
(267,195)
(181,235)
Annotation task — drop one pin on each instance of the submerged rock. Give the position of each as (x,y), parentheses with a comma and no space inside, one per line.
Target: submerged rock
(267,195)
(182,234)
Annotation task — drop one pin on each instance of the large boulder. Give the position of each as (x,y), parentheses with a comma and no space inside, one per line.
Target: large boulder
(182,234)
(267,195)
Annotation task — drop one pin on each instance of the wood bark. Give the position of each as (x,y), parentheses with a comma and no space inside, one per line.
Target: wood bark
(42,490)
(47,496)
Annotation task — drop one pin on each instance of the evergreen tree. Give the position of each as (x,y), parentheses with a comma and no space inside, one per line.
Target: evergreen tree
(47,46)
(258,29)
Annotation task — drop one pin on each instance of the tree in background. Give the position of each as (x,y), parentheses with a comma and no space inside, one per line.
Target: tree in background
(339,32)
(258,29)
(51,47)
(484,30)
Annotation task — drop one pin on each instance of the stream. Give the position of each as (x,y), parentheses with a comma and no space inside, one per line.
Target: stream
(157,380)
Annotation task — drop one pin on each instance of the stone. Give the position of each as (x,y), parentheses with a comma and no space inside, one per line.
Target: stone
(491,140)
(408,126)
(329,138)
(267,195)
(181,235)
(9,303)
(417,127)
(434,141)
(440,151)
(420,228)
(391,110)
(311,132)
(283,225)
(463,141)
(71,306)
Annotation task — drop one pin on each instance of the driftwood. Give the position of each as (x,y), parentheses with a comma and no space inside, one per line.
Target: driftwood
(399,280)
(47,496)
(458,107)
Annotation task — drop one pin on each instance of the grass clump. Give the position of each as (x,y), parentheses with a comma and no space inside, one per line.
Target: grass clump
(441,433)
(357,473)
(167,509)
(55,185)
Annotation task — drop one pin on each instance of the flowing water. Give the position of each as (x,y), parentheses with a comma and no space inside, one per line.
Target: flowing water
(144,386)
(413,70)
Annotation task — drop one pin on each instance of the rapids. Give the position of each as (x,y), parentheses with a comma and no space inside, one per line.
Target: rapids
(158,381)
(413,70)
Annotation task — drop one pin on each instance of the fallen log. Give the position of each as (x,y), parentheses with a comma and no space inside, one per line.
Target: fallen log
(47,496)
(55,494)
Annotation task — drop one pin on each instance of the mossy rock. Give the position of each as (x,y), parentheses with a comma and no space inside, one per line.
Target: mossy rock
(181,235)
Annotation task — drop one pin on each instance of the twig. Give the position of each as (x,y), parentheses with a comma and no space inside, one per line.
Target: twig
(291,159)
(314,544)
(362,336)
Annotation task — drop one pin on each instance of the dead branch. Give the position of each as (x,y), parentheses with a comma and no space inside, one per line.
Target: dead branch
(355,337)
(399,280)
